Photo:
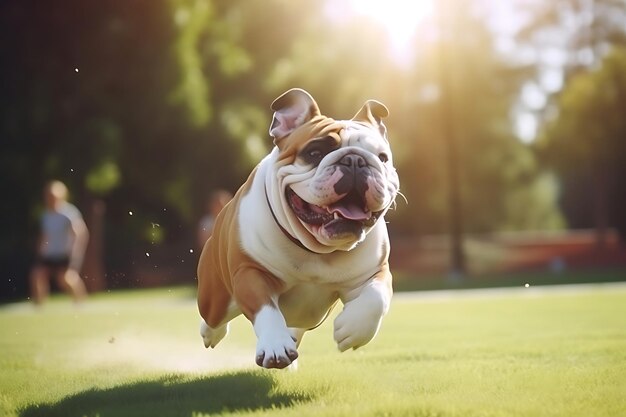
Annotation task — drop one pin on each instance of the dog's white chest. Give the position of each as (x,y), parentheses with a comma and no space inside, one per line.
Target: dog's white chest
(262,239)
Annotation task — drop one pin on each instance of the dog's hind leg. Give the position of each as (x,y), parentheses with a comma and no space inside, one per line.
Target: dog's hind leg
(297,334)
(211,336)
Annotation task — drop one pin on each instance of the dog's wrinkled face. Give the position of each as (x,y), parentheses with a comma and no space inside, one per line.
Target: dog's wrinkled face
(351,183)
(335,178)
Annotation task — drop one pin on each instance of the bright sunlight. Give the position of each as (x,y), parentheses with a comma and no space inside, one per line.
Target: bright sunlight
(400,18)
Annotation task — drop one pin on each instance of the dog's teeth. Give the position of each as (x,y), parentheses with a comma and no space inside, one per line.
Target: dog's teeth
(335,215)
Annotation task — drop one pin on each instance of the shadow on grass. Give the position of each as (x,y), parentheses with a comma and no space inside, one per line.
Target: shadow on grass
(174,396)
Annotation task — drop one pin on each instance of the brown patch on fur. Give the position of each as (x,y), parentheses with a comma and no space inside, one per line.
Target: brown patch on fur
(317,127)
(225,271)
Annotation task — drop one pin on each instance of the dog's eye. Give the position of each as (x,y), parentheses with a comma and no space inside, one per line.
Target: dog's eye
(317,149)
(383,157)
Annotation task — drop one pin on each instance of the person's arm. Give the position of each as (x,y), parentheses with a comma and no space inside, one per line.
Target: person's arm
(81,237)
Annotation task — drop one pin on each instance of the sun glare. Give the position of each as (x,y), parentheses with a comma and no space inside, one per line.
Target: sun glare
(400,18)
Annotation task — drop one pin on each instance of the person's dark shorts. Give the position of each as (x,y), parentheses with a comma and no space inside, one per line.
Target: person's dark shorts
(54,263)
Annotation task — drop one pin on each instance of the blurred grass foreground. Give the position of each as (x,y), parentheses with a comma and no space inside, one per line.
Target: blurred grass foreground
(516,352)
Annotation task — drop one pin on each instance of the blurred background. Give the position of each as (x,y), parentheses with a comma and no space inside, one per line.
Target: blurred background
(508,124)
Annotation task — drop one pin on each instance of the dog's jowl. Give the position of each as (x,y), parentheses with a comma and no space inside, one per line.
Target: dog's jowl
(304,231)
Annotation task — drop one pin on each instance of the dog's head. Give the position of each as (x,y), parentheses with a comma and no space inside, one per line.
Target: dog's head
(335,179)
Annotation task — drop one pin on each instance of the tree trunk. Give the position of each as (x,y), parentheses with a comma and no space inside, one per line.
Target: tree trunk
(458,268)
(93,268)
(600,206)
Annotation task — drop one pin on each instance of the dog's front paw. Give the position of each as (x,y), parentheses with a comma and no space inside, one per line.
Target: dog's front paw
(278,353)
(357,324)
(210,336)
(276,347)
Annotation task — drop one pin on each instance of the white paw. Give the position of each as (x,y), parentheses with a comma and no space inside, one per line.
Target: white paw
(276,348)
(211,336)
(357,324)
(278,353)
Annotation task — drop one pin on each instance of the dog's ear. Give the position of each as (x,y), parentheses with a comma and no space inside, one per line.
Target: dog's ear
(292,110)
(373,112)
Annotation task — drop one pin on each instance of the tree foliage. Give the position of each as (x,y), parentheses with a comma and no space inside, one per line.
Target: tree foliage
(582,121)
(149,105)
(585,142)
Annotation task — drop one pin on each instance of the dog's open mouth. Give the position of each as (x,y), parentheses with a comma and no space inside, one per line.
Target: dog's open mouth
(349,212)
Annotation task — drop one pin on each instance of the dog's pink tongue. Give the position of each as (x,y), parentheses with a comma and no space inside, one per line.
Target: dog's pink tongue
(350,211)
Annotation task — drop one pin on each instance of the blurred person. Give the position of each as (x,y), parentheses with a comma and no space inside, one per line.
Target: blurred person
(215,203)
(61,246)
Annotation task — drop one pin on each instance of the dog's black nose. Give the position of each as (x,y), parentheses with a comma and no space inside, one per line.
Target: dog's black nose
(355,173)
(353,160)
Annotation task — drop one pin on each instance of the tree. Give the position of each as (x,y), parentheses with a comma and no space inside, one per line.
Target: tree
(585,144)
(497,171)
(88,97)
(343,64)
(583,32)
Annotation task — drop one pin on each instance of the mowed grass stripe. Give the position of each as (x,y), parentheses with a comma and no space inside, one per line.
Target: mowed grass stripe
(138,353)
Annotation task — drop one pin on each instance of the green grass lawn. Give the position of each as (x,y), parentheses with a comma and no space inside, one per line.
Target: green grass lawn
(137,353)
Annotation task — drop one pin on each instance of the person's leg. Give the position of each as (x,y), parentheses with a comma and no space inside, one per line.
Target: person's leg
(39,284)
(69,280)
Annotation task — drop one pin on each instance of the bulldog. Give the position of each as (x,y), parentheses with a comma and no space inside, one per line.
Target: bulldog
(305,230)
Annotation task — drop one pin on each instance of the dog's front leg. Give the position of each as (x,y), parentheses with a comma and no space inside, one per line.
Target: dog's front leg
(256,292)
(363,310)
(276,348)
